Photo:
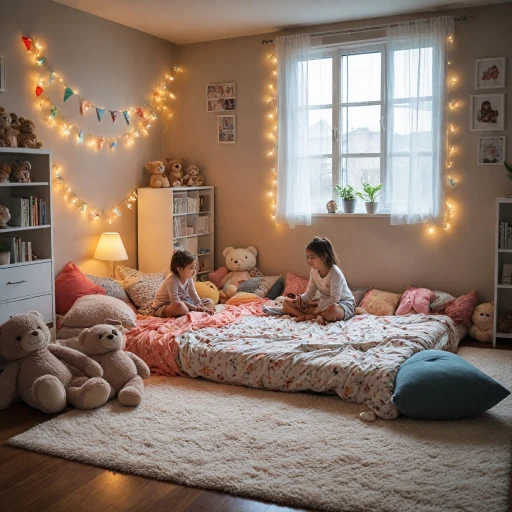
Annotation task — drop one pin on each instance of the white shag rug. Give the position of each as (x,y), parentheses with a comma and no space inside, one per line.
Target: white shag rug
(302,450)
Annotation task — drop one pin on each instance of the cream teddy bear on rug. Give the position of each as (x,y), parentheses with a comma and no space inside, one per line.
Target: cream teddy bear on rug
(482,321)
(37,372)
(124,371)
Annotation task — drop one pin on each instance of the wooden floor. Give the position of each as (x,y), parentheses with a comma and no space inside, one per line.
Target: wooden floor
(33,482)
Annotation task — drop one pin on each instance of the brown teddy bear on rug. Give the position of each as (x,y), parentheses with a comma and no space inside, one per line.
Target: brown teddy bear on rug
(36,371)
(124,371)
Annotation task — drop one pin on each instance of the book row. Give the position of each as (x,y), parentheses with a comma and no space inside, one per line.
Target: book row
(21,250)
(26,211)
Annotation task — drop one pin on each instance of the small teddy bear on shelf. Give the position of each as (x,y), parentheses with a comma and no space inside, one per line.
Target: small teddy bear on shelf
(482,322)
(174,170)
(8,132)
(5,217)
(5,172)
(192,177)
(27,137)
(158,178)
(20,171)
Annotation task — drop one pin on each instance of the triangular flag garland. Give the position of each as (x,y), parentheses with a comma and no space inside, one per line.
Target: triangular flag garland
(144,111)
(84,207)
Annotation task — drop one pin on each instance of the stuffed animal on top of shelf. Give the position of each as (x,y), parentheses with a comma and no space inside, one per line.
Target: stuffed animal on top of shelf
(158,177)
(5,172)
(5,217)
(174,170)
(27,137)
(20,171)
(192,177)
(8,132)
(482,321)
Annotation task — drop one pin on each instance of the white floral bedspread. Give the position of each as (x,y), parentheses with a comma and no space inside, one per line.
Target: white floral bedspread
(357,359)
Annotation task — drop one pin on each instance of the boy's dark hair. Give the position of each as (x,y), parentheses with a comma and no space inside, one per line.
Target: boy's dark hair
(180,259)
(322,247)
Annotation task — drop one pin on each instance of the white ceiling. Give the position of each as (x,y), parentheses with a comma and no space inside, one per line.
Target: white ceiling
(192,21)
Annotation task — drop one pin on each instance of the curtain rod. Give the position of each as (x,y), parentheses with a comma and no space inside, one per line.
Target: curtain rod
(360,29)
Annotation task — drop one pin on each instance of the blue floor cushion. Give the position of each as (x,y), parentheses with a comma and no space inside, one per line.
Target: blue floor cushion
(438,385)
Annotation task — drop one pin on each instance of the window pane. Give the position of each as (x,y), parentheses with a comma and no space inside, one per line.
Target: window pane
(320,82)
(321,183)
(365,169)
(412,126)
(320,131)
(360,129)
(408,65)
(361,77)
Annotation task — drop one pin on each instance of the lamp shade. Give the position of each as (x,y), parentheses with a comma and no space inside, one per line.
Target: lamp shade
(110,248)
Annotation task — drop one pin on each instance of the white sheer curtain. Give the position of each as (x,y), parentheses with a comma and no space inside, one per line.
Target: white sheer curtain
(417,85)
(293,185)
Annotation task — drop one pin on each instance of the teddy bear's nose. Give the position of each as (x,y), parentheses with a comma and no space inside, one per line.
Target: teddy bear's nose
(236,261)
(110,336)
(34,333)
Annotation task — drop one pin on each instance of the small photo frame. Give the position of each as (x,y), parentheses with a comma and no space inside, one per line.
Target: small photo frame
(487,112)
(491,150)
(226,129)
(490,73)
(220,97)
(2,74)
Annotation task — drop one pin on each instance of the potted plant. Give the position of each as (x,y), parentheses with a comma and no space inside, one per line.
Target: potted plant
(348,196)
(369,196)
(5,255)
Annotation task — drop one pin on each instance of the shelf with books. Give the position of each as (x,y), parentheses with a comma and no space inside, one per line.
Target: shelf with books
(31,184)
(10,229)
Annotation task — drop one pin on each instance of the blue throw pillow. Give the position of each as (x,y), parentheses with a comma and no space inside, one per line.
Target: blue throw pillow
(438,385)
(277,289)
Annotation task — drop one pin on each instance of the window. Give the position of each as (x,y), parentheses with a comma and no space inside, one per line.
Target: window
(348,126)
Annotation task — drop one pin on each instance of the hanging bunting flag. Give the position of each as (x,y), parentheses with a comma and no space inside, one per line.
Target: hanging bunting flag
(27,41)
(52,78)
(153,115)
(39,90)
(68,93)
(114,144)
(101,141)
(114,115)
(80,139)
(40,61)
(100,112)
(84,106)
(126,116)
(139,112)
(53,111)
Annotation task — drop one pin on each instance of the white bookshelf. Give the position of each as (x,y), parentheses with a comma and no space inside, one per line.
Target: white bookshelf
(157,216)
(29,285)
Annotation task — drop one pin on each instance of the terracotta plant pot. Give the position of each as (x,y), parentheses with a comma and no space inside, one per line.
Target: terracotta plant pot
(349,206)
(5,258)
(371,207)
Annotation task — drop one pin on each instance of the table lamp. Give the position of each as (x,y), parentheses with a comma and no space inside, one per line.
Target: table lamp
(110,248)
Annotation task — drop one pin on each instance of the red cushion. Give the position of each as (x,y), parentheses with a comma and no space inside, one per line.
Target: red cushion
(461,309)
(71,284)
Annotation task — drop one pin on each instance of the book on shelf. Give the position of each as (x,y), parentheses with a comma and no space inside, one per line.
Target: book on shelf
(179,205)
(203,225)
(180,227)
(191,205)
(26,212)
(201,203)
(21,251)
(506,274)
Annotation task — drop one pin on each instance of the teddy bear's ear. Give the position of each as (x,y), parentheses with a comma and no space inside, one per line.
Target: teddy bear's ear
(253,250)
(226,251)
(82,336)
(36,313)
(182,160)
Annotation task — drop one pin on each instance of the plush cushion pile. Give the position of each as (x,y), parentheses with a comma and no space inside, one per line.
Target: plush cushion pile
(111,287)
(264,286)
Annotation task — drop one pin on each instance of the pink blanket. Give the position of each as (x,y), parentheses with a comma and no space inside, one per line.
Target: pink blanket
(153,339)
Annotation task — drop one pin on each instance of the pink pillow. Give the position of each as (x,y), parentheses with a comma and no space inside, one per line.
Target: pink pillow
(415,300)
(461,309)
(71,284)
(217,276)
(295,284)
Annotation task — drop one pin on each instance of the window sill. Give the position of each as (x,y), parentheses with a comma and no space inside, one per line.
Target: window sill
(352,215)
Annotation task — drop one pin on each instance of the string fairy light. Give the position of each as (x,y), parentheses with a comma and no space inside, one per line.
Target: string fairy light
(86,208)
(139,117)
(272,135)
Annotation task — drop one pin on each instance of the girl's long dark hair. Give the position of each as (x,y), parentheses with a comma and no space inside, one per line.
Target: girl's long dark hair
(322,247)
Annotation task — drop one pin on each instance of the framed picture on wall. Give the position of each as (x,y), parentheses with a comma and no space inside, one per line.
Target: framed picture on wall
(490,73)
(221,97)
(491,150)
(226,129)
(487,112)
(2,74)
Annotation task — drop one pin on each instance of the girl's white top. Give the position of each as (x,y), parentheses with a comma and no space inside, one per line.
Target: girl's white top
(172,290)
(333,288)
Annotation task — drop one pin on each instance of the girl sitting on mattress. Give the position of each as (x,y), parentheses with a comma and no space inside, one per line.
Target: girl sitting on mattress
(336,300)
(177,294)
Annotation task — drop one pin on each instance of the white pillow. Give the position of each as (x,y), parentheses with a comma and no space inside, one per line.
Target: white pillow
(92,310)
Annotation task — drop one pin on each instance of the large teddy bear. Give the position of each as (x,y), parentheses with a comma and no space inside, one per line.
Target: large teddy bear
(37,372)
(20,171)
(242,266)
(192,177)
(27,137)
(482,321)
(124,371)
(8,132)
(174,170)
(158,177)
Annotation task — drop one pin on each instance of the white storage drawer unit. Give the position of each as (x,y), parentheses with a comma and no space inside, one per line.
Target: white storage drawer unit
(43,304)
(25,281)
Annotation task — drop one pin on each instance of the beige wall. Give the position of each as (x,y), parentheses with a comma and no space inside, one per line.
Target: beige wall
(372,252)
(110,64)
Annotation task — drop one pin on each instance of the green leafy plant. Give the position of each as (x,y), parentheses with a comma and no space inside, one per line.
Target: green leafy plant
(4,249)
(370,193)
(509,170)
(346,193)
